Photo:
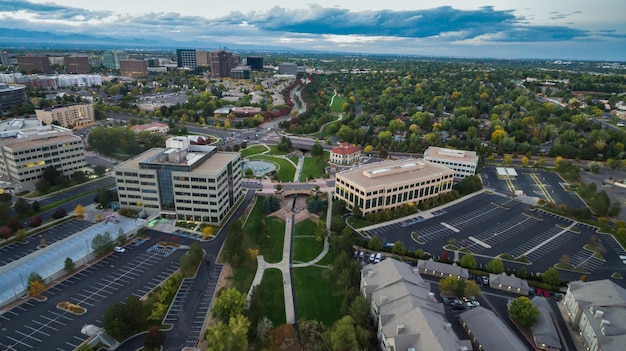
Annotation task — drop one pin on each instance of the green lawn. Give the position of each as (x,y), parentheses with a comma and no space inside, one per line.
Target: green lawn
(306,248)
(243,275)
(306,227)
(330,257)
(358,223)
(315,296)
(286,171)
(337,103)
(273,295)
(252,150)
(313,167)
(267,237)
(274,150)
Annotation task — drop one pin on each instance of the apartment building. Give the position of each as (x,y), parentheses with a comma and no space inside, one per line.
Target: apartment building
(407,315)
(488,332)
(597,310)
(385,185)
(68,116)
(182,181)
(345,154)
(27,148)
(463,162)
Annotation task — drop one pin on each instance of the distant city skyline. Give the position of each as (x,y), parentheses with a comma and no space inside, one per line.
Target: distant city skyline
(575,30)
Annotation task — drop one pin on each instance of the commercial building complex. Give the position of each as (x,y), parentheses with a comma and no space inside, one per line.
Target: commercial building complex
(27,148)
(112,59)
(77,64)
(597,310)
(11,95)
(384,185)
(186,58)
(182,181)
(463,162)
(255,62)
(406,313)
(153,128)
(67,116)
(345,154)
(240,72)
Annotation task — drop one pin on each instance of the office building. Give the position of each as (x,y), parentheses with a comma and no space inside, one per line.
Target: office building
(597,310)
(11,95)
(34,64)
(345,154)
(182,181)
(221,63)
(202,58)
(241,72)
(255,62)
(288,68)
(406,313)
(69,116)
(27,148)
(386,185)
(77,64)
(134,68)
(4,58)
(463,162)
(186,58)
(112,59)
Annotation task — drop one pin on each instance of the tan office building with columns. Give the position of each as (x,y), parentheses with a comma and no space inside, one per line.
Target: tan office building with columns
(384,185)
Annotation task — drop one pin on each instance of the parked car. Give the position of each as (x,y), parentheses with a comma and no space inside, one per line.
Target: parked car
(378,257)
(119,249)
(558,296)
(361,255)
(472,304)
(485,280)
(372,257)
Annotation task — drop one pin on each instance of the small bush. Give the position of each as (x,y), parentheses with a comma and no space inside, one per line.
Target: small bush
(60,213)
(35,222)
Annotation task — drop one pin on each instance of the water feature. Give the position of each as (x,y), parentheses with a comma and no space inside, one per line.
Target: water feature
(259,168)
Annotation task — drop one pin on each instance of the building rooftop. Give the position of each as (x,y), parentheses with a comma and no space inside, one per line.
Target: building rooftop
(439,267)
(544,329)
(508,280)
(387,272)
(451,154)
(345,149)
(598,293)
(490,332)
(390,173)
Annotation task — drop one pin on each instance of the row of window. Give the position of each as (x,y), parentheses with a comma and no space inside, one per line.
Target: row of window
(407,196)
(392,190)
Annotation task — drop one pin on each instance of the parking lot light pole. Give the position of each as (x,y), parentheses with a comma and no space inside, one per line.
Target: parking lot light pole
(86,251)
(22,279)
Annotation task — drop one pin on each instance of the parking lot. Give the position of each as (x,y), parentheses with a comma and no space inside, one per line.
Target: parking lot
(15,251)
(488,225)
(33,324)
(533,182)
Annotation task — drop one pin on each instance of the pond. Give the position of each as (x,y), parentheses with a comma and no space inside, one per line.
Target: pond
(259,168)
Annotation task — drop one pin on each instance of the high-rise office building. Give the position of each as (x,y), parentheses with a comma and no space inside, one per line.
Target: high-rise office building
(67,116)
(134,68)
(255,62)
(222,62)
(112,59)
(186,58)
(240,72)
(202,58)
(11,95)
(34,64)
(4,58)
(77,64)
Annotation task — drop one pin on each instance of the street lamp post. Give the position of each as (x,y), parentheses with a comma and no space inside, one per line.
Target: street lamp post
(86,251)
(22,279)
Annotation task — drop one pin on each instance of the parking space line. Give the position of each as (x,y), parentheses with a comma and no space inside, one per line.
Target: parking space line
(44,325)
(19,342)
(36,330)
(61,315)
(27,335)
(550,239)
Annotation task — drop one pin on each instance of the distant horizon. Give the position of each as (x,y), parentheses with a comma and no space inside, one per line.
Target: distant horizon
(507,29)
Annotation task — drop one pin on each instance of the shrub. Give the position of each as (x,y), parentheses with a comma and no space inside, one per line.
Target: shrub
(6,232)
(35,222)
(60,213)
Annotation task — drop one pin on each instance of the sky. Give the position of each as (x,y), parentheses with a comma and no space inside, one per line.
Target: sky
(569,30)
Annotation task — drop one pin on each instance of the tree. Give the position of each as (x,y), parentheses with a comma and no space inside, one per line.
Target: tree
(80,211)
(59,213)
(375,243)
(228,304)
(69,265)
(229,337)
(495,266)
(36,288)
(35,206)
(102,243)
(99,170)
(551,276)
(21,207)
(468,261)
(310,333)
(523,311)
(189,262)
(345,335)
(317,150)
(35,222)
(207,232)
(21,235)
(458,287)
(154,338)
(398,248)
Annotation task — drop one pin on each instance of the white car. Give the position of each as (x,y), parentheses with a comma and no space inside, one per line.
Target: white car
(622,257)
(472,304)
(119,249)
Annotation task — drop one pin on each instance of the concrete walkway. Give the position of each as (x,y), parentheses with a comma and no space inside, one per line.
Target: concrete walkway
(296,177)
(286,264)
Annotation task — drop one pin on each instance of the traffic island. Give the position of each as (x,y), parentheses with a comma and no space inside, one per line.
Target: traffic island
(71,308)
